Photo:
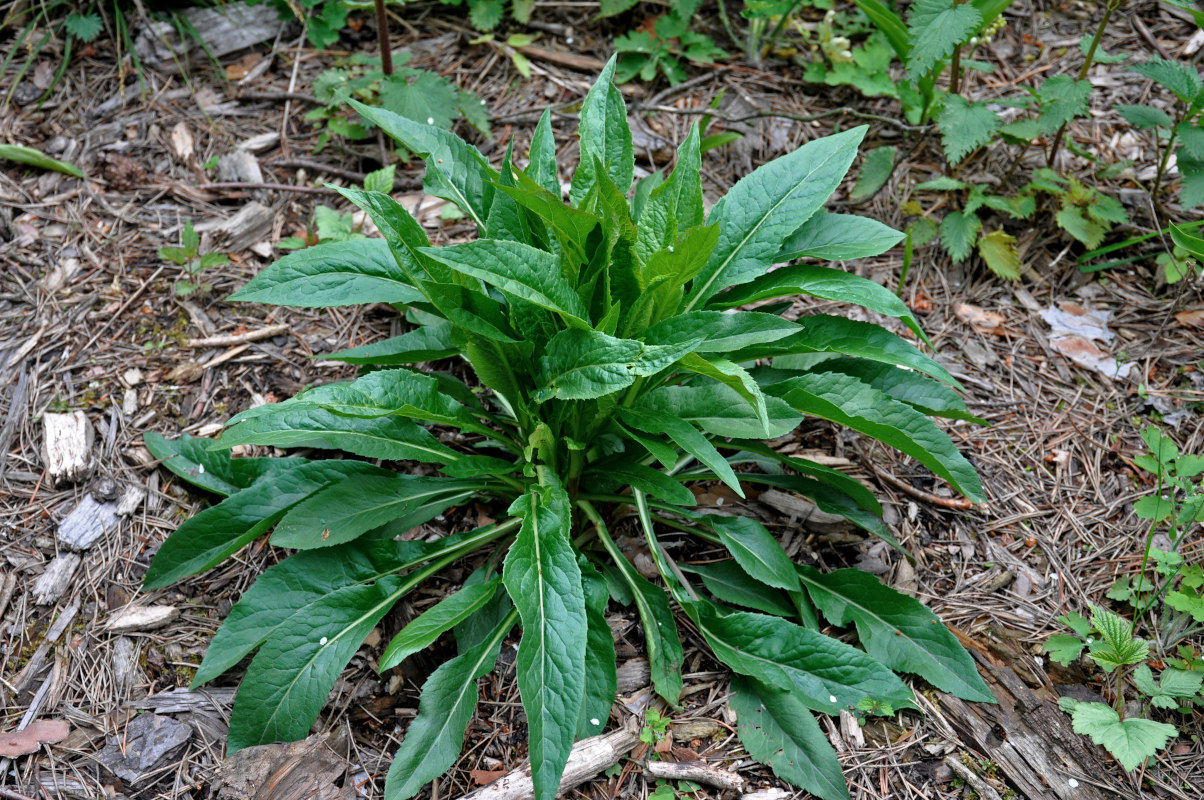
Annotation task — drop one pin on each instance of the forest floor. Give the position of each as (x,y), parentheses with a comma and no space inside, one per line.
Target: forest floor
(90,321)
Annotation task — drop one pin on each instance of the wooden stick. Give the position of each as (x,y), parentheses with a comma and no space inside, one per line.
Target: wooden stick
(697,771)
(228,339)
(589,757)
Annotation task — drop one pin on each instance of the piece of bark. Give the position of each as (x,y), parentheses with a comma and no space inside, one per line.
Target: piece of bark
(305,770)
(180,700)
(148,743)
(772,793)
(52,583)
(588,758)
(125,665)
(632,675)
(226,340)
(976,782)
(142,618)
(224,29)
(241,166)
(1028,737)
(33,668)
(802,510)
(91,518)
(697,771)
(67,446)
(251,224)
(691,729)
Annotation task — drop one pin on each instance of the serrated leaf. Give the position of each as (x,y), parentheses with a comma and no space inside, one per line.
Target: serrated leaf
(335,274)
(1173,686)
(1131,741)
(544,582)
(36,158)
(1179,78)
(1064,648)
(1072,220)
(1062,98)
(347,509)
(896,629)
(776,729)
(1117,647)
(756,551)
(998,250)
(428,626)
(1145,117)
(219,531)
(965,126)
(875,172)
(486,14)
(958,232)
(824,674)
(422,96)
(838,237)
(758,213)
(292,674)
(937,26)
(448,700)
(731,584)
(190,458)
(85,27)
(392,438)
(674,206)
(843,399)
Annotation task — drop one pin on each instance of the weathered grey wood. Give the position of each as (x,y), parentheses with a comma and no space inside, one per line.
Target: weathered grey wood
(148,743)
(92,519)
(67,446)
(305,770)
(125,664)
(633,674)
(226,28)
(180,700)
(802,510)
(239,165)
(30,671)
(697,771)
(142,618)
(53,583)
(251,224)
(588,758)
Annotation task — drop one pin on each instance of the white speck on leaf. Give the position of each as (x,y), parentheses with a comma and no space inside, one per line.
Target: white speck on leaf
(594,721)
(323,641)
(200,468)
(831,698)
(430,120)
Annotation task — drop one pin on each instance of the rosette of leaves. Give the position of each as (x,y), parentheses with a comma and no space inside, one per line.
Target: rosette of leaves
(644,53)
(613,372)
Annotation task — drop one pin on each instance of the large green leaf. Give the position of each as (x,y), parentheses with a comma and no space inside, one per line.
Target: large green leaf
(191,459)
(843,399)
(434,739)
(965,126)
(662,644)
(542,166)
(580,364)
(605,138)
(292,674)
(219,531)
(721,332)
(428,626)
(896,629)
(621,473)
(391,438)
(731,584)
(838,237)
(347,509)
(778,730)
(766,206)
(904,385)
(734,377)
(824,674)
(721,410)
(519,269)
(455,170)
(36,158)
(937,26)
(1131,740)
(685,436)
(676,204)
(756,551)
(333,274)
(428,343)
(601,678)
(822,282)
(571,226)
(829,498)
(544,581)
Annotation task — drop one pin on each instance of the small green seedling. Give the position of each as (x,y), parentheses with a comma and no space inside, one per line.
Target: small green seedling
(194,262)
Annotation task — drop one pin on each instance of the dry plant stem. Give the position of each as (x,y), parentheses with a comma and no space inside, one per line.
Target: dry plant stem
(1095,40)
(382,32)
(239,338)
(696,771)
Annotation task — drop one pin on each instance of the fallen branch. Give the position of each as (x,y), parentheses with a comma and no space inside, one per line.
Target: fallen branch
(697,771)
(589,757)
(238,338)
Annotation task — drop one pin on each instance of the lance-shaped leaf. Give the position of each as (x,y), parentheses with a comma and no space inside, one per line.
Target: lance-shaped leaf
(580,364)
(720,332)
(778,730)
(676,204)
(621,473)
(428,343)
(221,530)
(391,438)
(605,138)
(292,674)
(601,678)
(896,629)
(734,377)
(685,436)
(518,269)
(663,645)
(190,458)
(731,584)
(335,274)
(571,226)
(455,170)
(826,283)
(846,400)
(756,550)
(825,675)
(449,697)
(918,391)
(766,206)
(839,237)
(721,410)
(544,581)
(349,508)
(422,632)
(542,164)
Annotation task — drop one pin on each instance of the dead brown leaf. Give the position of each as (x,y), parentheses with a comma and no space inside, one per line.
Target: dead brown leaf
(30,738)
(1192,318)
(484,777)
(979,318)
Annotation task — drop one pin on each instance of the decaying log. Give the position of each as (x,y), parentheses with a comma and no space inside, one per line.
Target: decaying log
(67,446)
(225,28)
(589,757)
(1028,737)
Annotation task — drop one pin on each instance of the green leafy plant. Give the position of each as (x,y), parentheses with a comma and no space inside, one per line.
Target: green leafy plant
(656,727)
(1180,132)
(329,225)
(194,262)
(417,94)
(645,54)
(324,19)
(614,369)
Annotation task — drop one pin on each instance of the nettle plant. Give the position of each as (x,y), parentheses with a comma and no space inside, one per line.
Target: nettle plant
(613,371)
